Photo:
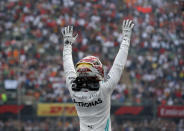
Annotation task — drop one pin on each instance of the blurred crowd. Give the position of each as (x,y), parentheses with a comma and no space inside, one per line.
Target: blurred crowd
(73,125)
(42,125)
(31,46)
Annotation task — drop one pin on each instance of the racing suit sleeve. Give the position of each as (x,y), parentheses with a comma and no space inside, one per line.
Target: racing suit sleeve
(69,69)
(116,70)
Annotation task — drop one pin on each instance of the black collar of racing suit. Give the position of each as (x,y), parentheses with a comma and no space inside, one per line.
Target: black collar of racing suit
(89,83)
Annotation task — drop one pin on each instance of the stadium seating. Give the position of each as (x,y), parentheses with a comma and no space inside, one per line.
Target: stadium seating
(31,66)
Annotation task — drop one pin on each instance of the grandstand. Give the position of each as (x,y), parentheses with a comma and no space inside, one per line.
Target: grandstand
(150,94)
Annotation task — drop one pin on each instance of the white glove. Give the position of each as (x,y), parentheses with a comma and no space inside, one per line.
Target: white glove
(127,30)
(68,37)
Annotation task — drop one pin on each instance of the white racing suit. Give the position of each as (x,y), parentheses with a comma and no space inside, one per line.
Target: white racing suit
(93,107)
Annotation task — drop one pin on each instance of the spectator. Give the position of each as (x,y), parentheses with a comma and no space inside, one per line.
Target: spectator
(30,46)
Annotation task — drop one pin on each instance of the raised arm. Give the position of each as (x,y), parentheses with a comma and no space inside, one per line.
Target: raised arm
(69,39)
(116,70)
